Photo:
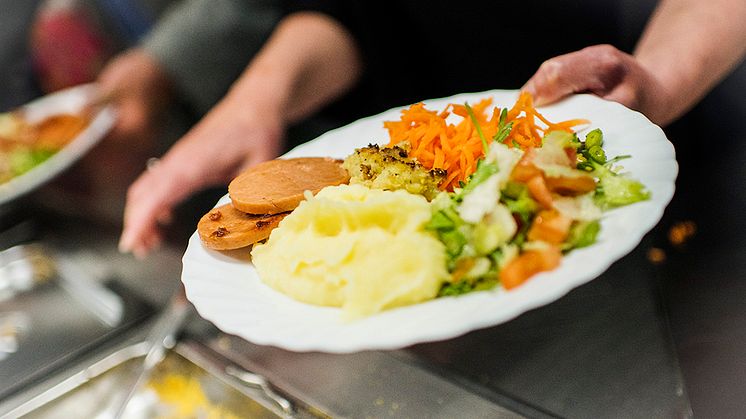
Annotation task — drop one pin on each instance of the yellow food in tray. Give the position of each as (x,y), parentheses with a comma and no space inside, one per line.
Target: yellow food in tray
(185,397)
(360,249)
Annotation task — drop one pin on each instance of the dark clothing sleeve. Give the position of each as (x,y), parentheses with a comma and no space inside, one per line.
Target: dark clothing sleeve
(414,50)
(204,45)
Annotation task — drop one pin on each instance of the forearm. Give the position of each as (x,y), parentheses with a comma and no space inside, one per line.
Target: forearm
(308,61)
(689,46)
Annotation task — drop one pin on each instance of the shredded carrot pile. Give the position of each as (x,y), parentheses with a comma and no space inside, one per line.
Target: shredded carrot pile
(437,144)
(526,133)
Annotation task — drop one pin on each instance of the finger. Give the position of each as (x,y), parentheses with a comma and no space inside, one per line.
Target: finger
(148,245)
(110,82)
(140,222)
(148,199)
(546,85)
(267,149)
(254,158)
(138,225)
(142,249)
(594,69)
(103,94)
(132,119)
(251,160)
(106,81)
(555,80)
(138,234)
(145,241)
(624,94)
(152,197)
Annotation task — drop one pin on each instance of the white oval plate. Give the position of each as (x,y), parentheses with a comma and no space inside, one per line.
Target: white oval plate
(70,101)
(226,290)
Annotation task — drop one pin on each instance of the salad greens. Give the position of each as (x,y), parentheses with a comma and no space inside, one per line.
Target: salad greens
(497,228)
(616,190)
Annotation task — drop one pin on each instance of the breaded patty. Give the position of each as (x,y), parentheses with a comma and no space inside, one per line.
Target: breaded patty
(390,168)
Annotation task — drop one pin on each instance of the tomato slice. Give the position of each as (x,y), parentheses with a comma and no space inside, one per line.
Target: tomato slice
(539,191)
(528,264)
(525,169)
(571,185)
(550,226)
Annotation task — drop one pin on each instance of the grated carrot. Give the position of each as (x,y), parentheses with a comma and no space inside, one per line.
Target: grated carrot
(436,143)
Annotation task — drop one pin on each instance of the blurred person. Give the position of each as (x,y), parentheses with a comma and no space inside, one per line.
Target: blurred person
(161,63)
(191,56)
(147,54)
(395,53)
(71,40)
(685,51)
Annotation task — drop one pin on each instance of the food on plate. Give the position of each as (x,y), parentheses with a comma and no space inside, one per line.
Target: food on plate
(361,249)
(278,185)
(456,148)
(225,228)
(56,131)
(444,209)
(391,168)
(262,196)
(520,210)
(24,145)
(13,127)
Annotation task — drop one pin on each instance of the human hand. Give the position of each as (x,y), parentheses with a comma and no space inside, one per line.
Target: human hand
(231,137)
(136,84)
(606,72)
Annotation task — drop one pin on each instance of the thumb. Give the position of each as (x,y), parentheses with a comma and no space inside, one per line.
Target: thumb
(597,69)
(550,83)
(150,201)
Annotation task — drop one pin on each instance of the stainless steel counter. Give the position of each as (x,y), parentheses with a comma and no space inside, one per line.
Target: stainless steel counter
(602,351)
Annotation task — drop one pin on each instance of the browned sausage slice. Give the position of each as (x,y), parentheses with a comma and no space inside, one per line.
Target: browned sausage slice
(277,185)
(225,227)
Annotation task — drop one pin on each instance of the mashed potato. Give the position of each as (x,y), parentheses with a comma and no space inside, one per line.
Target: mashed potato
(360,249)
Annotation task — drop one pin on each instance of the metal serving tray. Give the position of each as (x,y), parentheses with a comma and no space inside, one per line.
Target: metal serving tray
(189,382)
